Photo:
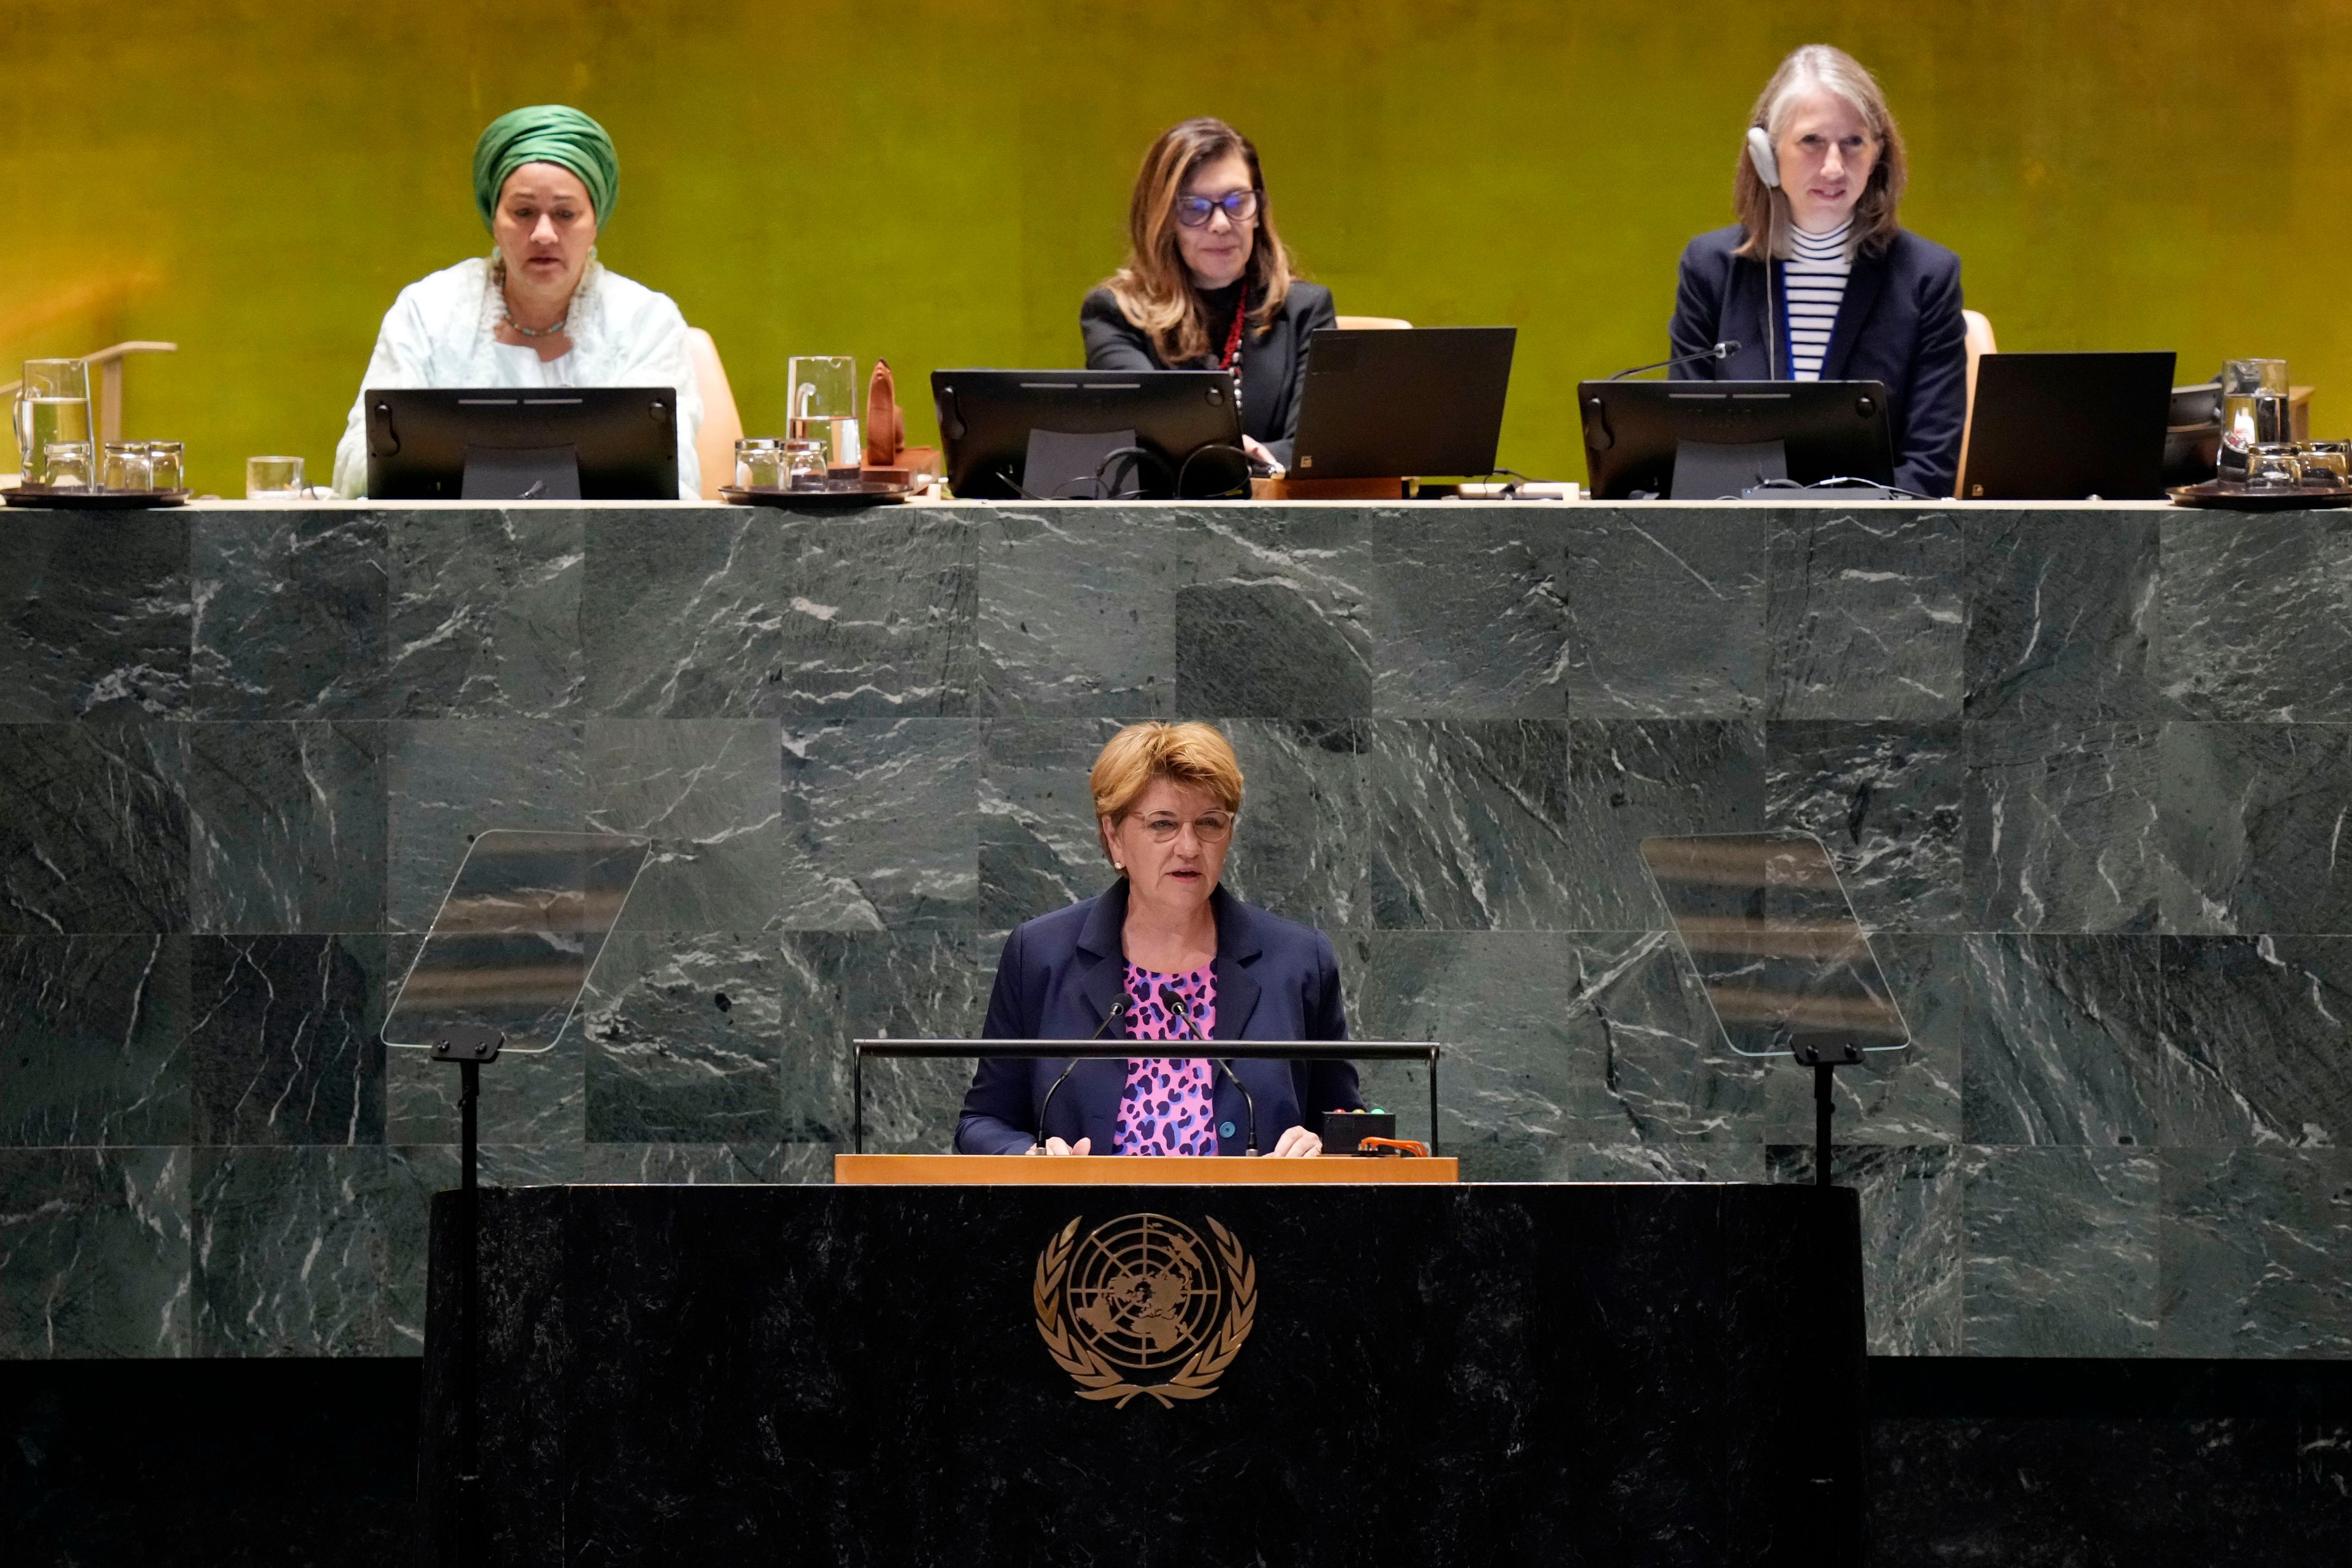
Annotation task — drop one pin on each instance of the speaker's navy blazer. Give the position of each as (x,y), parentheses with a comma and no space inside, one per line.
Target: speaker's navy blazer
(1062,974)
(1899,323)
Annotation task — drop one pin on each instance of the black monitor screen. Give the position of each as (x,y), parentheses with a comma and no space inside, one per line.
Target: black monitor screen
(568,443)
(1184,421)
(1634,431)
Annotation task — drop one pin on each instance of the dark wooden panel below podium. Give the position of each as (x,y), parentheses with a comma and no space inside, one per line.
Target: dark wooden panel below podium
(1435,1374)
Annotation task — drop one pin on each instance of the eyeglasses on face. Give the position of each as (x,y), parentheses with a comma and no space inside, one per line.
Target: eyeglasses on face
(1239,205)
(1209,827)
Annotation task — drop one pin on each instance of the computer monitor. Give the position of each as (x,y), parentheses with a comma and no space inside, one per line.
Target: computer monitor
(2069,426)
(1427,400)
(1185,420)
(567,443)
(1705,440)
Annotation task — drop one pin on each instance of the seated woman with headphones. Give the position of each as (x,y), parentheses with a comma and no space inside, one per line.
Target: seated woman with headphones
(1854,296)
(1208,285)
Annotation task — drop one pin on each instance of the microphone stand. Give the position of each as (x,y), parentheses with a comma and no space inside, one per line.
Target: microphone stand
(1117,1011)
(1177,1009)
(1720,353)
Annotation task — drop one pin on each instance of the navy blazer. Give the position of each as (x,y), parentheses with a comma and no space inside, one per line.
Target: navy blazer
(1899,323)
(1062,974)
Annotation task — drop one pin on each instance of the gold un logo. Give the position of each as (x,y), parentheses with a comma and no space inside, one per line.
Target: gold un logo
(1141,1298)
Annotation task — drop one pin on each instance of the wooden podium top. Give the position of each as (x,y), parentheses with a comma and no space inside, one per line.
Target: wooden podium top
(1114,1171)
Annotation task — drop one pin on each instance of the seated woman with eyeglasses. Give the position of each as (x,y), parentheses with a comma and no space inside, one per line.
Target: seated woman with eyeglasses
(1165,956)
(1207,284)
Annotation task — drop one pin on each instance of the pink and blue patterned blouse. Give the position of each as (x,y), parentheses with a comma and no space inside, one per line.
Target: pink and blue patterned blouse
(1170,1104)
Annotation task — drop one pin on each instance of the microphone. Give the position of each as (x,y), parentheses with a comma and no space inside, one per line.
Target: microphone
(1177,1009)
(1722,351)
(1117,1011)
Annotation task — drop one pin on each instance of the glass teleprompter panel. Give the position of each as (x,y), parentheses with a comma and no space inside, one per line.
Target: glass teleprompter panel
(517,936)
(1784,962)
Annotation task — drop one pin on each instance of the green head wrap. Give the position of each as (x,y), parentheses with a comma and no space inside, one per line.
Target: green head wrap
(546,133)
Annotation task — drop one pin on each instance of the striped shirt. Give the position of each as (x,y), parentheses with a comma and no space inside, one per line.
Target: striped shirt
(1812,282)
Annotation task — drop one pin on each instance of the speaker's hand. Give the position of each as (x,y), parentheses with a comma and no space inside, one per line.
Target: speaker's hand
(1297,1143)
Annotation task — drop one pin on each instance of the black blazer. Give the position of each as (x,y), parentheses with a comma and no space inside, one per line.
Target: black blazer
(1273,367)
(1899,323)
(1061,974)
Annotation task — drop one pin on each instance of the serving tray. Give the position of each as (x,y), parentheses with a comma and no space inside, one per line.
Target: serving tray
(79,497)
(2225,495)
(837,495)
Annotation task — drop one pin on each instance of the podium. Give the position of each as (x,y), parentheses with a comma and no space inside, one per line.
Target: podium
(1111,1170)
(1296,1370)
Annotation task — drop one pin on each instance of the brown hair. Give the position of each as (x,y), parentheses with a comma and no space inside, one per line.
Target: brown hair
(1154,291)
(1194,754)
(1832,70)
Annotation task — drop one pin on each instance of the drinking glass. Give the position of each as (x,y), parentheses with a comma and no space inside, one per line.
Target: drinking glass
(53,405)
(167,463)
(2272,464)
(760,462)
(68,463)
(804,462)
(2254,401)
(2323,469)
(273,478)
(821,405)
(126,466)
(2327,463)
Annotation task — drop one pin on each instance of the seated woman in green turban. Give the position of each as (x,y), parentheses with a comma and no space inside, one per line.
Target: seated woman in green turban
(539,311)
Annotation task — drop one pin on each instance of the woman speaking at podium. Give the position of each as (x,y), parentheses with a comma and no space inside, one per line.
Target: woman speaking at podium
(539,310)
(1856,298)
(1207,284)
(1165,956)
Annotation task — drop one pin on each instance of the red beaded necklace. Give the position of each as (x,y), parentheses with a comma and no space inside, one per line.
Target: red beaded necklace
(1233,355)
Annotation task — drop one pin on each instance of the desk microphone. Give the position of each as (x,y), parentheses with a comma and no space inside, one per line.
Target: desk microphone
(1117,1011)
(1177,1008)
(1722,351)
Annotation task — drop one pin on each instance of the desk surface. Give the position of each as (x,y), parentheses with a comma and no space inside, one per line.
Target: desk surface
(1110,1169)
(1828,501)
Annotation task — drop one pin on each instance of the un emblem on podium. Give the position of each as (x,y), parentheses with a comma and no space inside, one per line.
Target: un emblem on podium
(1143,1298)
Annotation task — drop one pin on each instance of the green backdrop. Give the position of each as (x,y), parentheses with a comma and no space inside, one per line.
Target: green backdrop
(939,184)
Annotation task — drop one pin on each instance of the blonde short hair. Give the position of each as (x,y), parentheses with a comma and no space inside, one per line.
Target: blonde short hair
(1193,754)
(1833,71)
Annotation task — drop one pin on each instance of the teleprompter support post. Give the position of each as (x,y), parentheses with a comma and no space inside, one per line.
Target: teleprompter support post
(469,1045)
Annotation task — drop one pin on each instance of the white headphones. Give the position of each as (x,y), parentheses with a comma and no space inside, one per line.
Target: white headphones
(1768,169)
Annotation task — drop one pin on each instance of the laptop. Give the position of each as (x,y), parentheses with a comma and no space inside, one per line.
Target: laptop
(1423,400)
(2068,427)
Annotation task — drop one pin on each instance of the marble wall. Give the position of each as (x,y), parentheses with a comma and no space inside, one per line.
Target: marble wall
(2087,772)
